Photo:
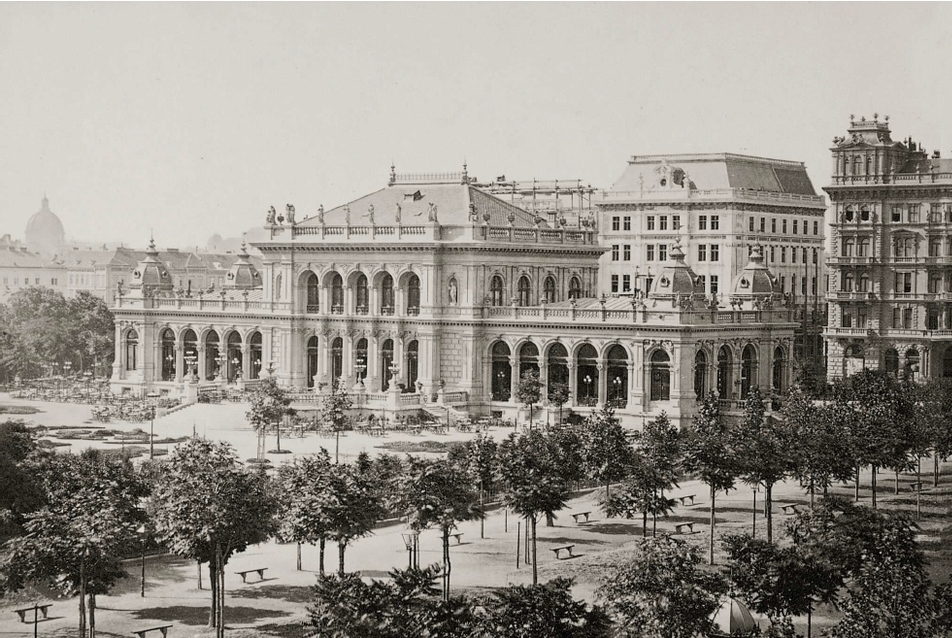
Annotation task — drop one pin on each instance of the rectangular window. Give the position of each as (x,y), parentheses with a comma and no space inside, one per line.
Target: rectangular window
(663,222)
(702,281)
(702,252)
(897,318)
(773,224)
(616,223)
(907,318)
(796,224)
(772,254)
(36,280)
(903,282)
(816,228)
(935,213)
(626,283)
(627,222)
(783,254)
(713,284)
(785,227)
(662,252)
(650,222)
(715,252)
(783,283)
(913,213)
(932,319)
(750,226)
(649,252)
(5,281)
(846,320)
(614,283)
(935,284)
(862,317)
(948,218)
(675,222)
(763,224)
(803,286)
(614,252)
(53,281)
(715,222)
(626,253)
(702,222)
(897,213)
(804,252)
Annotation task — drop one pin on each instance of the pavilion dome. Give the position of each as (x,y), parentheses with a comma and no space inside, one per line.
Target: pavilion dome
(733,618)
(150,274)
(755,279)
(44,230)
(242,275)
(676,278)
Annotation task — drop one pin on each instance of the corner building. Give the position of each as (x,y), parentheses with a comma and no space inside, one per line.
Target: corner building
(433,294)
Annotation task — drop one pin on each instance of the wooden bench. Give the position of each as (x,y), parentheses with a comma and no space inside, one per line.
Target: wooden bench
(457,536)
(680,527)
(567,548)
(579,514)
(142,632)
(245,573)
(790,509)
(687,499)
(22,612)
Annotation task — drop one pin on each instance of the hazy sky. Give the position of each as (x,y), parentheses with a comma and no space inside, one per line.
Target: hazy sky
(194,118)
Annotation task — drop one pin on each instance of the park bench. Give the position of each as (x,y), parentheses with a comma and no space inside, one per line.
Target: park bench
(680,527)
(567,548)
(687,499)
(578,515)
(790,509)
(915,487)
(457,536)
(42,608)
(248,571)
(163,628)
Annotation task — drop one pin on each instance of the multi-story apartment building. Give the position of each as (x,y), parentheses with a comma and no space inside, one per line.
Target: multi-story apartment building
(20,268)
(890,255)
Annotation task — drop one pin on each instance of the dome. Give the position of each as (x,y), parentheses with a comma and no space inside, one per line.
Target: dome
(755,278)
(44,230)
(150,274)
(242,275)
(676,278)
(733,618)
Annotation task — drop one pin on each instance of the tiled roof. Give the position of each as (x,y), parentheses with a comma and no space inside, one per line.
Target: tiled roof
(21,259)
(926,166)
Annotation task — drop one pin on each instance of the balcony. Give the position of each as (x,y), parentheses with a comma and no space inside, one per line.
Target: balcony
(850,332)
(313,309)
(854,295)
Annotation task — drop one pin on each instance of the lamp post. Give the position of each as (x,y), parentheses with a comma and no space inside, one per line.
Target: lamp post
(588,389)
(190,360)
(142,532)
(170,366)
(234,366)
(616,393)
(412,542)
(86,377)
(221,360)
(153,396)
(501,375)
(361,370)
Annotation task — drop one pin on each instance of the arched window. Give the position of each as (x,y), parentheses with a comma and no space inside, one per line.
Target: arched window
(337,294)
(386,363)
(549,288)
(525,291)
(495,290)
(233,357)
(779,366)
(413,295)
(386,294)
(168,355)
(212,355)
(337,359)
(748,370)
(587,375)
(360,360)
(617,376)
(313,356)
(361,298)
(413,364)
(558,373)
(255,345)
(848,214)
(700,374)
(724,380)
(862,249)
(848,245)
(660,376)
(864,282)
(277,287)
(848,282)
(190,352)
(575,288)
(528,359)
(132,350)
(891,361)
(501,372)
(313,294)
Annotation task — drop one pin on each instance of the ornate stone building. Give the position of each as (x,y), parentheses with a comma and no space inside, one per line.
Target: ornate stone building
(433,293)
(890,255)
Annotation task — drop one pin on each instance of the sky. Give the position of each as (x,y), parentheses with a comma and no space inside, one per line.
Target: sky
(190,119)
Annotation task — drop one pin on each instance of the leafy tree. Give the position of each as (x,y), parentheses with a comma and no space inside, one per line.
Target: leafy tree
(765,450)
(20,490)
(270,404)
(336,404)
(934,417)
(37,320)
(356,504)
(822,453)
(533,483)
(661,444)
(708,454)
(477,458)
(438,494)
(76,540)
(660,592)
(208,507)
(306,502)
(606,450)
(93,331)
(559,395)
(521,611)
(529,391)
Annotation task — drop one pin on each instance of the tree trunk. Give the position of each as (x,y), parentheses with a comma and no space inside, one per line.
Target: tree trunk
(935,469)
(897,483)
(198,564)
(341,548)
(336,444)
(873,486)
(812,493)
(92,615)
(856,485)
(535,563)
(82,596)
(753,523)
(644,523)
(221,599)
(321,568)
(482,519)
(299,557)
(768,510)
(447,567)
(213,584)
(918,488)
(549,519)
(607,490)
(713,492)
(279,434)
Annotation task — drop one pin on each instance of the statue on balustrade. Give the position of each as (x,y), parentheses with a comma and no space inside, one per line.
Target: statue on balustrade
(272,217)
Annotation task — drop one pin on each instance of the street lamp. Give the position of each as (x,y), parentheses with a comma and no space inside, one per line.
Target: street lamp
(142,533)
(616,394)
(361,369)
(87,376)
(588,388)
(190,360)
(501,375)
(412,541)
(271,369)
(153,396)
(221,360)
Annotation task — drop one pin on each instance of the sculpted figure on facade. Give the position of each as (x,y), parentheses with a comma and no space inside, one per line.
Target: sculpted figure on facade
(397,213)
(272,216)
(431,213)
(320,214)
(289,213)
(454,292)
(370,214)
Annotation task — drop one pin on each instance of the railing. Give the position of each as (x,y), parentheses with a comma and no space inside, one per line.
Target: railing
(459,396)
(712,193)
(474,231)
(896,178)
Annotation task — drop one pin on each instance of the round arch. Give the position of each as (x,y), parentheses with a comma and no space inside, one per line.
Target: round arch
(234,357)
(586,363)
(617,368)
(501,371)
(725,363)
(748,370)
(701,365)
(167,340)
(131,340)
(255,351)
(660,372)
(313,357)
(557,359)
(212,353)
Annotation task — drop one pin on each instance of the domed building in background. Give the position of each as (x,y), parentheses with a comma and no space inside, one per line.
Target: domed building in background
(44,231)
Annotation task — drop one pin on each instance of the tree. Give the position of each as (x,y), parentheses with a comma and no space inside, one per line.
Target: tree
(934,417)
(38,321)
(559,395)
(20,489)
(336,404)
(765,448)
(521,611)
(306,502)
(529,391)
(75,542)
(208,507)
(660,592)
(661,444)
(477,458)
(438,494)
(822,453)
(606,450)
(93,331)
(355,504)
(533,483)
(270,404)
(709,455)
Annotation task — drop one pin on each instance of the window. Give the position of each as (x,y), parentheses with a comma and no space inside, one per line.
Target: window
(616,223)
(848,214)
(413,295)
(773,224)
(702,282)
(796,223)
(903,247)
(575,288)
(525,291)
(816,228)
(313,297)
(848,282)
(932,319)
(362,296)
(935,247)
(803,286)
(913,213)
(549,290)
(663,222)
(495,290)
(948,218)
(715,252)
(846,320)
(702,252)
(783,254)
(785,227)
(897,213)
(614,252)
(897,318)
(848,244)
(713,284)
(935,213)
(675,222)
(648,282)
(650,222)
(864,282)
(53,281)
(783,283)
(862,248)
(862,317)
(614,283)
(702,222)
(763,224)
(660,376)
(649,252)
(626,253)
(626,283)
(935,283)
(907,318)
(903,282)
(662,252)
(627,222)
(715,222)
(751,224)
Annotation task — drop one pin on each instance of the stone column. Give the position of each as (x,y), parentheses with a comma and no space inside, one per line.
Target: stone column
(602,384)
(348,301)
(513,377)
(573,384)
(201,361)
(179,361)
(632,395)
(373,380)
(245,360)
(544,379)
(348,355)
